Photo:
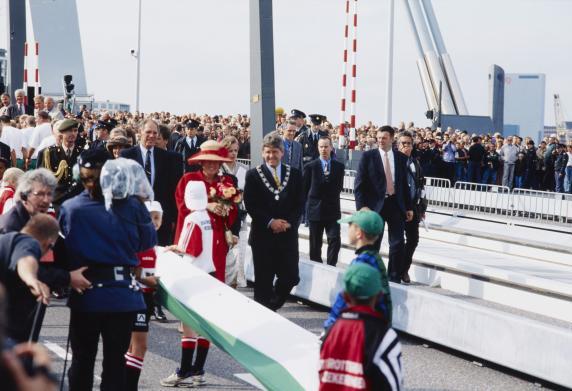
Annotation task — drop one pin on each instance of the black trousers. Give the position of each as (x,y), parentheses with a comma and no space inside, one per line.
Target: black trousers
(275,257)
(411,242)
(85,330)
(332,229)
(395,221)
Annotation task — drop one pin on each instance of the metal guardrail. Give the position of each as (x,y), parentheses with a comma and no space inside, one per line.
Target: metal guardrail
(518,204)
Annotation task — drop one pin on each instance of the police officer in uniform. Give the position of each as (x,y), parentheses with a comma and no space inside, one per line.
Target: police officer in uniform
(309,139)
(323,183)
(106,242)
(300,118)
(189,145)
(60,159)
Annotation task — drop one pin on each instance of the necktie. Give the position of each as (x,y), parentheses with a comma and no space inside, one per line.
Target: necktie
(276,179)
(148,165)
(390,190)
(192,143)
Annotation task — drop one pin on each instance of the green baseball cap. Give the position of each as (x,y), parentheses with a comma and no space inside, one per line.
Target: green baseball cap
(362,281)
(369,221)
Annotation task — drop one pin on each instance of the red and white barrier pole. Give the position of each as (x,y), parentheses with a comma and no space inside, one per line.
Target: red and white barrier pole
(37,88)
(25,86)
(342,140)
(353,80)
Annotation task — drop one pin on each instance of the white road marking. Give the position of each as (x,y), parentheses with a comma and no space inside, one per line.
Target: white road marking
(61,353)
(247,377)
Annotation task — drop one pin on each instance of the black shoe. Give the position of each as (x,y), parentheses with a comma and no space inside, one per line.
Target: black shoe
(159,314)
(394,278)
(405,278)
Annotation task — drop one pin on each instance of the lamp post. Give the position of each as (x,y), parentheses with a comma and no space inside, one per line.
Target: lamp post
(137,54)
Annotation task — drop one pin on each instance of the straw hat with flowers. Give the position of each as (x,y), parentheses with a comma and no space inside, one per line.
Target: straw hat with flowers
(211,151)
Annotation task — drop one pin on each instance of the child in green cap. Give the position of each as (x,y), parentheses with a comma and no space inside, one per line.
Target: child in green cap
(361,351)
(365,227)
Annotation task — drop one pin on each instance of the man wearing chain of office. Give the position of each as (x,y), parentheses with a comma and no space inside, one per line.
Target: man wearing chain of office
(274,198)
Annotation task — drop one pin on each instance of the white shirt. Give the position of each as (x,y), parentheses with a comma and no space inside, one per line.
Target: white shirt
(14,138)
(278,171)
(40,132)
(569,164)
(191,140)
(45,143)
(144,156)
(391,162)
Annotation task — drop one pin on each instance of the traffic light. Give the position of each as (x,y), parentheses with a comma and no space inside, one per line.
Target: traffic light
(68,87)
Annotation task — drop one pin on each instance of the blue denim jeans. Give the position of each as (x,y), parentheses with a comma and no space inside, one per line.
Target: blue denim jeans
(474,172)
(460,172)
(489,176)
(558,182)
(519,181)
(568,180)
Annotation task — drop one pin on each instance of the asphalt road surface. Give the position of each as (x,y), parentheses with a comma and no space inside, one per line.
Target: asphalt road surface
(427,367)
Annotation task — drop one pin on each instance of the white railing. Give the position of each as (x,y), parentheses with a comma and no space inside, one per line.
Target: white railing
(488,199)
(545,206)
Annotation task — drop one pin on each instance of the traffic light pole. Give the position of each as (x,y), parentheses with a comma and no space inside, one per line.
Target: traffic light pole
(262,93)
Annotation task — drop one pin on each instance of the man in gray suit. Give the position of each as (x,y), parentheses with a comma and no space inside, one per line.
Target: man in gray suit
(292,148)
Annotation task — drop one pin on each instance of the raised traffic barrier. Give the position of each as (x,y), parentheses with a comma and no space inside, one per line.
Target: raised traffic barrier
(279,353)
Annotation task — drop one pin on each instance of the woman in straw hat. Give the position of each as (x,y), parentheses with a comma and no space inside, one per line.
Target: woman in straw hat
(223,215)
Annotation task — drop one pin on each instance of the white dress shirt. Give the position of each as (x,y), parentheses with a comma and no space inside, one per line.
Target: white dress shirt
(144,157)
(191,140)
(391,162)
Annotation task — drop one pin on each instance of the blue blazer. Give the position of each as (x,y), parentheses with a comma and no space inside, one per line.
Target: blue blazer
(370,185)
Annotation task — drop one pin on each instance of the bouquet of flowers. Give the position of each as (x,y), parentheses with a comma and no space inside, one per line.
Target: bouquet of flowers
(226,194)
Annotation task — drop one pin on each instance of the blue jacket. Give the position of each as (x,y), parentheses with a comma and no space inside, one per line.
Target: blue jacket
(370,256)
(95,237)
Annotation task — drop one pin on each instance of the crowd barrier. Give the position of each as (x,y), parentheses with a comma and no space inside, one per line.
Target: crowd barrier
(500,201)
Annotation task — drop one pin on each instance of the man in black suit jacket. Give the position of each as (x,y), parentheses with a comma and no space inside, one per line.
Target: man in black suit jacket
(18,108)
(163,169)
(189,145)
(323,183)
(176,134)
(274,198)
(309,139)
(381,185)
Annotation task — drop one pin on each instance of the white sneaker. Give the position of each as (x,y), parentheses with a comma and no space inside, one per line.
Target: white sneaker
(177,379)
(198,379)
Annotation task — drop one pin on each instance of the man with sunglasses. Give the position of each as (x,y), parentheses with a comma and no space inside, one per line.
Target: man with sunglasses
(415,181)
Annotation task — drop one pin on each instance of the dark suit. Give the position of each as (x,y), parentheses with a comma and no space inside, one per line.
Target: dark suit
(370,191)
(416,184)
(6,153)
(183,148)
(168,171)
(293,155)
(14,112)
(323,197)
(173,138)
(309,143)
(273,254)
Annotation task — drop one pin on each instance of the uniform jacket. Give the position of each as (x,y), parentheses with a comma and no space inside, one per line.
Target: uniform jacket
(360,352)
(262,205)
(98,238)
(310,145)
(323,192)
(293,156)
(67,187)
(182,147)
(370,186)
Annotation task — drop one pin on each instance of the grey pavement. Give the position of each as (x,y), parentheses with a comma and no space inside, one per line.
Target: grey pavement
(427,367)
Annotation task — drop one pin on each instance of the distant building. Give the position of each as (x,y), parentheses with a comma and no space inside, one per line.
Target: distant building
(524,95)
(112,107)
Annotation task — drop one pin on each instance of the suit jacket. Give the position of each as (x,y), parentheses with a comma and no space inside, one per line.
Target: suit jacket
(370,185)
(183,148)
(323,192)
(310,145)
(293,157)
(417,187)
(13,112)
(173,138)
(6,153)
(262,205)
(168,171)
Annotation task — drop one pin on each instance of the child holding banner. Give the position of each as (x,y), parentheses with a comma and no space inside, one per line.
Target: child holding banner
(196,243)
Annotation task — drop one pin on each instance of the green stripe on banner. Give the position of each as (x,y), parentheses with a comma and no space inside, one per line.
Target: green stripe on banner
(269,373)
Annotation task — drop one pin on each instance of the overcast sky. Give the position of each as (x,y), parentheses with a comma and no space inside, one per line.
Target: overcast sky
(195,54)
